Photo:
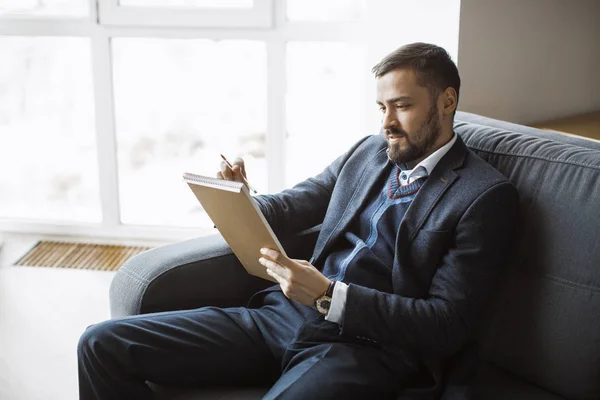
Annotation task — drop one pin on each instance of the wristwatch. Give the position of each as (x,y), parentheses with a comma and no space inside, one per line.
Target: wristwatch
(323,303)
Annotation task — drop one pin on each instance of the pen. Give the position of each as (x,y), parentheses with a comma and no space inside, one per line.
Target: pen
(243,177)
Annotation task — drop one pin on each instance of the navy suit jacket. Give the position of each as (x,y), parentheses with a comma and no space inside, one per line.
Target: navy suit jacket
(450,247)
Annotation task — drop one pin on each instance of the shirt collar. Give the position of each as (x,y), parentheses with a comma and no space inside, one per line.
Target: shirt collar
(431,161)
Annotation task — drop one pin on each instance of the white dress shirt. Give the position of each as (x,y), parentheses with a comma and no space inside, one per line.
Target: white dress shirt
(424,168)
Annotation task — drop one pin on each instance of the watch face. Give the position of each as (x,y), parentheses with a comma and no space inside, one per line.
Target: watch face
(323,304)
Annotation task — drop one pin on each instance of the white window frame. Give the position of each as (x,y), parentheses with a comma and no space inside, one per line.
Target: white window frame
(258,16)
(276,37)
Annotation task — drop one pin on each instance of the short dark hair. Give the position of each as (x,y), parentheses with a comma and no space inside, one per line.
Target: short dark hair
(432,64)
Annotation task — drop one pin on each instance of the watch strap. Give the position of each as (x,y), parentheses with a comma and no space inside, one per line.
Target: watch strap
(329,291)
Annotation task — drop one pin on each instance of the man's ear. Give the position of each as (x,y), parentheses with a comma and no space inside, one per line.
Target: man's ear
(449,101)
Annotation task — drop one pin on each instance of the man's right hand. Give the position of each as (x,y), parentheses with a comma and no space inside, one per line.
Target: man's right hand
(238,173)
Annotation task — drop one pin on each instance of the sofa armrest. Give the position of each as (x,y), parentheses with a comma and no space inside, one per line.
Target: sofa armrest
(191,274)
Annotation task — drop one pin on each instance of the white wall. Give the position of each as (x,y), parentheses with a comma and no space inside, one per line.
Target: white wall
(529,60)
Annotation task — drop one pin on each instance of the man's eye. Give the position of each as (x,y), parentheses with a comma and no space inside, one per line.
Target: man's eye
(382,109)
(402,106)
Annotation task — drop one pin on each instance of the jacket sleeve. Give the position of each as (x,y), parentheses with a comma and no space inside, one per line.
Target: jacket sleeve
(441,323)
(304,205)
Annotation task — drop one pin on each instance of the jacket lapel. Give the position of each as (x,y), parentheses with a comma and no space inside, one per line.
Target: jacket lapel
(442,177)
(436,185)
(337,222)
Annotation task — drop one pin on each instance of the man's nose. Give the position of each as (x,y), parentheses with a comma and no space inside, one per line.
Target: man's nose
(389,120)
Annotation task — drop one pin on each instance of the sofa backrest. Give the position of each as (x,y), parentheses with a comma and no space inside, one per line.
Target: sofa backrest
(545,326)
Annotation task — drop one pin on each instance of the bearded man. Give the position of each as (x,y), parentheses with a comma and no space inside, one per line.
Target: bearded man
(415,229)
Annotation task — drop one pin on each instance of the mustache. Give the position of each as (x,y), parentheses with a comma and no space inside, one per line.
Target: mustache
(394,131)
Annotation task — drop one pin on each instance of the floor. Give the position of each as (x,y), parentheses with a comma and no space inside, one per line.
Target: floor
(43,311)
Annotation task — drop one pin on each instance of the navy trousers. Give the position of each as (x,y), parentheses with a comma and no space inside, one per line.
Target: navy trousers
(283,344)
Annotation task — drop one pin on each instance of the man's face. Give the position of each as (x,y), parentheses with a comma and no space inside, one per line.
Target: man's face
(410,121)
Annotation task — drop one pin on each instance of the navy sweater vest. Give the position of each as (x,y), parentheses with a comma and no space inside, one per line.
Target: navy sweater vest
(364,255)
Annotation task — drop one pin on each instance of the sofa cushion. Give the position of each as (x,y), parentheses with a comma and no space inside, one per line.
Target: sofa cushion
(546,327)
(496,384)
(492,384)
(217,393)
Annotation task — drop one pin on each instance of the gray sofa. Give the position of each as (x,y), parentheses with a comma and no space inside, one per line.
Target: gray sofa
(542,340)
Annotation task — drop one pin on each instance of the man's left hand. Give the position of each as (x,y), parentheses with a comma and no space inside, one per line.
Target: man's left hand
(299,279)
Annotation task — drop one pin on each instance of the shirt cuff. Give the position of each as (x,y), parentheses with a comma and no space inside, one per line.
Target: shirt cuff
(338,303)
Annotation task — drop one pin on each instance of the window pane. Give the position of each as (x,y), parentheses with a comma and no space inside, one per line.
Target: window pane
(325,104)
(179,104)
(48,163)
(63,8)
(189,3)
(325,10)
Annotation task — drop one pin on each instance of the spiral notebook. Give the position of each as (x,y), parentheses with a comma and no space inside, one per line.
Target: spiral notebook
(237,217)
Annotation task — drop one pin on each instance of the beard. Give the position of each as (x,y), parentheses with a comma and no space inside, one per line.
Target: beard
(417,144)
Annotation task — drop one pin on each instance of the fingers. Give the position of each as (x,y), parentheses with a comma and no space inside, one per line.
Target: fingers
(232,174)
(277,264)
(286,287)
(276,268)
(275,256)
(225,171)
(286,282)
(276,271)
(278,278)
(240,162)
(299,279)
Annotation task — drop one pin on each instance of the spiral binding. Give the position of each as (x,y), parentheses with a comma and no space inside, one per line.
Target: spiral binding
(213,182)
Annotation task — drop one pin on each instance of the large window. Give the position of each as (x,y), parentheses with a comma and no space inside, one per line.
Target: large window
(47,141)
(325,104)
(179,103)
(32,8)
(105,103)
(326,11)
